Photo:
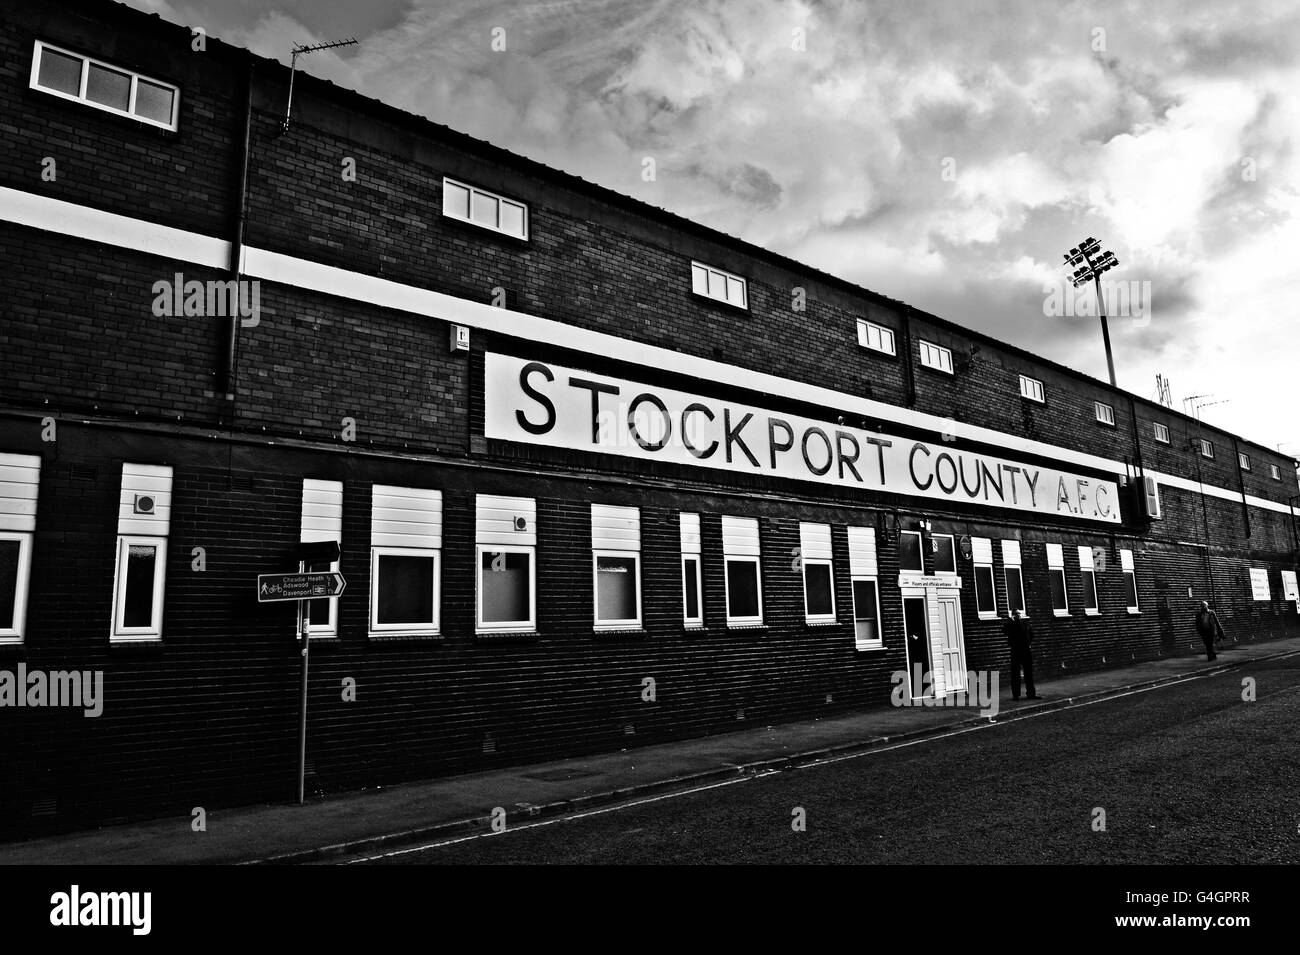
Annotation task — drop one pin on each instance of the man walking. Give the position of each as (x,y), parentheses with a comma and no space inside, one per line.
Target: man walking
(1207,625)
(1019,636)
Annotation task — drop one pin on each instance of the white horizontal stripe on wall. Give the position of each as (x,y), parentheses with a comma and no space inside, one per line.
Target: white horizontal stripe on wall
(141,481)
(981,550)
(815,541)
(690,530)
(54,215)
(615,528)
(496,520)
(405,517)
(740,537)
(862,551)
(20,482)
(322,511)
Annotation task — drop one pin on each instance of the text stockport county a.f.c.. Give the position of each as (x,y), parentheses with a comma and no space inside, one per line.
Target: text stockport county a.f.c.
(545,404)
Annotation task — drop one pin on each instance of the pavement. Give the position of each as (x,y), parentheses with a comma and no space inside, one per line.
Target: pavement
(404,814)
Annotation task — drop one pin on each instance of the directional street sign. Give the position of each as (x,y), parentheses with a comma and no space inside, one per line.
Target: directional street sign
(272,587)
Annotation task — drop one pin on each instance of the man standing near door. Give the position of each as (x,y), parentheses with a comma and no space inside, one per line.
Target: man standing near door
(1019,636)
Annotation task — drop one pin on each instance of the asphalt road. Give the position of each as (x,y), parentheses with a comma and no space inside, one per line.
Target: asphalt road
(1185,773)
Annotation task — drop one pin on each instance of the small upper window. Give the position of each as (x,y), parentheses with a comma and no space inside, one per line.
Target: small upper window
(1275,472)
(876,337)
(1105,413)
(1031,388)
(1162,432)
(1207,449)
(483,208)
(935,356)
(717,284)
(72,76)
(1243,461)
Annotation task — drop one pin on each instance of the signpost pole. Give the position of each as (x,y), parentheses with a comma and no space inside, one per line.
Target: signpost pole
(304,635)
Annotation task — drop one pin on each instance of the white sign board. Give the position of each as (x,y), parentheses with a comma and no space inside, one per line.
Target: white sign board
(543,404)
(1259,583)
(1289,589)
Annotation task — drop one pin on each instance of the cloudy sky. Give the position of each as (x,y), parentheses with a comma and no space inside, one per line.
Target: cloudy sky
(941,153)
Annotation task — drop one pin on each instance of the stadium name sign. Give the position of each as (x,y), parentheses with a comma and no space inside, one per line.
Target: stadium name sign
(544,404)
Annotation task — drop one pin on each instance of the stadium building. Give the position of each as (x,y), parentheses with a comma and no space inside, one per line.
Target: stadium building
(600,476)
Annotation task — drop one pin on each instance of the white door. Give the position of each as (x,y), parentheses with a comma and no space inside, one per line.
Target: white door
(951,647)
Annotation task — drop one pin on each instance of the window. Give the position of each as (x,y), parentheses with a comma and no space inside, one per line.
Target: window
(1089,571)
(1130,581)
(986,595)
(1207,449)
(717,284)
(1274,472)
(692,589)
(935,356)
(482,208)
(1056,580)
(322,520)
(909,552)
(943,553)
(864,575)
(616,566)
(143,522)
(741,554)
(1031,388)
(20,478)
(1243,461)
(1161,432)
(71,76)
(1105,413)
(506,552)
(405,560)
(1011,574)
(818,573)
(876,337)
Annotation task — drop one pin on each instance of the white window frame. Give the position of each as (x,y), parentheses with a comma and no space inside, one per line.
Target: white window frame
(920,549)
(979,544)
(122,633)
(1032,389)
(1207,449)
(628,623)
(934,562)
(498,197)
(1243,460)
(1161,432)
(22,580)
(883,336)
(698,620)
(86,61)
(509,626)
(1089,575)
(702,276)
(417,629)
(1275,472)
(1018,566)
(830,569)
(879,642)
(1105,413)
(1056,565)
(758,573)
(1126,565)
(935,356)
(815,539)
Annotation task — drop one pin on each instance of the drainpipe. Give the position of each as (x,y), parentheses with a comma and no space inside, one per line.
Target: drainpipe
(909,379)
(1137,449)
(237,250)
(1241,482)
